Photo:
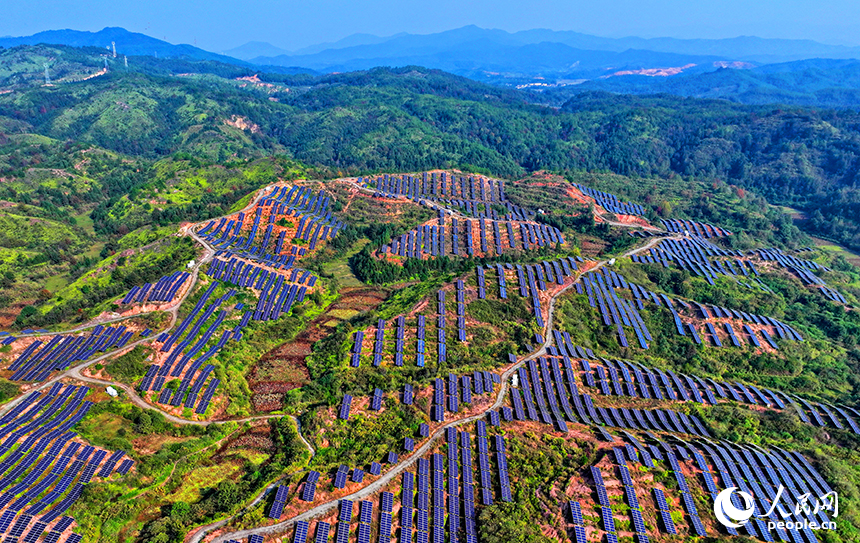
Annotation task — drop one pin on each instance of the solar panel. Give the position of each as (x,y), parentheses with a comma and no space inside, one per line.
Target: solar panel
(608,520)
(322,532)
(698,527)
(668,523)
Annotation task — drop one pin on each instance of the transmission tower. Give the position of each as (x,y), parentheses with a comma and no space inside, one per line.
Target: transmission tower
(125,58)
(113,44)
(47,76)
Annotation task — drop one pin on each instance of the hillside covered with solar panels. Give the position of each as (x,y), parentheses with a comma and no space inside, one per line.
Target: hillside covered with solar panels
(444,356)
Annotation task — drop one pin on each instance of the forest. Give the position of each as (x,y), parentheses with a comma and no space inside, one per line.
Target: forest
(408,119)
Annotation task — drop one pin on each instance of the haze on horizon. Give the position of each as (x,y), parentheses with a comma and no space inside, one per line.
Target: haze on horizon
(220,25)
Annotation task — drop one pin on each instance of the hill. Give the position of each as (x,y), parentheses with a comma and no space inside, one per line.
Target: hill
(764,71)
(445,47)
(815,83)
(412,118)
(281,290)
(127,43)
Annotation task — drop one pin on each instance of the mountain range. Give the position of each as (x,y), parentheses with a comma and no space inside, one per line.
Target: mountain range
(554,65)
(127,43)
(448,43)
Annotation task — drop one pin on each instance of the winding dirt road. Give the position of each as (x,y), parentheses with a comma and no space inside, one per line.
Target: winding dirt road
(374,487)
(389,476)
(75,371)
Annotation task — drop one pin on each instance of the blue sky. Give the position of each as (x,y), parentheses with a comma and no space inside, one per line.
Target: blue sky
(218,25)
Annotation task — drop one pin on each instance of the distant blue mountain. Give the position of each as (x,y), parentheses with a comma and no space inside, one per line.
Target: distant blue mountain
(801,72)
(814,82)
(254,49)
(127,43)
(472,48)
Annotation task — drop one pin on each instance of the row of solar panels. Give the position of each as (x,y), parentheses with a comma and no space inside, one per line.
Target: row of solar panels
(47,468)
(430,477)
(163,290)
(436,199)
(752,469)
(610,202)
(190,345)
(230,269)
(705,230)
(39,359)
(640,294)
(648,381)
(550,383)
(555,271)
(702,258)
(804,269)
(432,240)
(299,201)
(760,473)
(444,184)
(614,310)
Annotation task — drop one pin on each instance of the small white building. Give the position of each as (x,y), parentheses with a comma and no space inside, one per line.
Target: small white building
(111,391)
(191,264)
(515,380)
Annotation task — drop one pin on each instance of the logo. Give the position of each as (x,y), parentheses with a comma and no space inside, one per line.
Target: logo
(734,513)
(727,513)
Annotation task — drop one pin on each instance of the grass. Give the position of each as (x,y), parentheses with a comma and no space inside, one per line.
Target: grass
(837,250)
(202,477)
(102,429)
(340,268)
(56,282)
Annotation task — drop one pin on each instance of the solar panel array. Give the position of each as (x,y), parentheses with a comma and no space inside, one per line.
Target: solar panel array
(345,405)
(43,471)
(376,399)
(760,473)
(343,521)
(340,476)
(280,501)
(438,406)
(532,281)
(457,238)
(575,510)
(40,358)
(704,259)
(187,354)
(310,487)
(651,383)
(610,202)
(705,230)
(686,497)
(278,291)
(475,195)
(630,495)
(605,505)
(664,512)
(502,464)
(164,290)
(600,286)
(804,269)
(282,209)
